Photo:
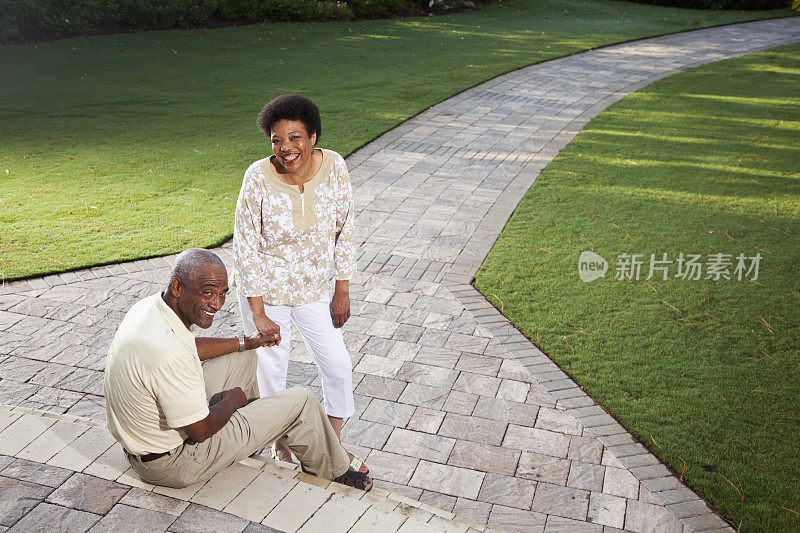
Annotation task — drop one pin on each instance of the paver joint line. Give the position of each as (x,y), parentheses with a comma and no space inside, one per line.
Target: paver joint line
(450,398)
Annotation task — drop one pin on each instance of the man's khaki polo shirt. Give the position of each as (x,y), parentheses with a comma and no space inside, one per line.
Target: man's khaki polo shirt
(153,380)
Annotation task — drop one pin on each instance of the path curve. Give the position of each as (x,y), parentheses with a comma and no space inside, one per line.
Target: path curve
(455,407)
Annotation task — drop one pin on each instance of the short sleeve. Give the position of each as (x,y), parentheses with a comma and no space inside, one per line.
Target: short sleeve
(247,237)
(180,391)
(344,252)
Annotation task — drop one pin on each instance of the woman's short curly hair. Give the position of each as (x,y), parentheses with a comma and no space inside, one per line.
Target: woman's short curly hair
(291,107)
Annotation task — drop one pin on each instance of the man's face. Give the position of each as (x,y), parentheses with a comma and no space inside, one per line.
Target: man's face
(202,296)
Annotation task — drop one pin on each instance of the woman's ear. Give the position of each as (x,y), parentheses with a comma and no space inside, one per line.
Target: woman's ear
(313,139)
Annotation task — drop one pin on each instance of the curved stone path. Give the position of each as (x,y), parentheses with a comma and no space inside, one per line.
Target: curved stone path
(455,408)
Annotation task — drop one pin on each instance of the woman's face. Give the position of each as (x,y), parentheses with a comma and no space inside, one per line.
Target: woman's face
(291,144)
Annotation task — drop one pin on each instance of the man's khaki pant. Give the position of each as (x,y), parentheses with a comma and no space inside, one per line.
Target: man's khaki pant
(293,416)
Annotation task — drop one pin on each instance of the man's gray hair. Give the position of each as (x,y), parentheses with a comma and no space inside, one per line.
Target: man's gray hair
(189,261)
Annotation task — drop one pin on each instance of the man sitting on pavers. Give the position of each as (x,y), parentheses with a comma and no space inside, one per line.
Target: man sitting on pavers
(180,421)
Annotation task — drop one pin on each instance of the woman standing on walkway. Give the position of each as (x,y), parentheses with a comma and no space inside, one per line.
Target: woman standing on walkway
(293,233)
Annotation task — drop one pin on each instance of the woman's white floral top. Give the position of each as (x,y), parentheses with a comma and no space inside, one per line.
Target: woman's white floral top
(288,246)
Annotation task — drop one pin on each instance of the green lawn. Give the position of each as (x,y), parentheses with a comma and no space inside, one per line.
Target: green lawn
(127,146)
(703,371)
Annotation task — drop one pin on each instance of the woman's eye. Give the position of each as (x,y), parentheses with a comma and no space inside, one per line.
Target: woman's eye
(275,141)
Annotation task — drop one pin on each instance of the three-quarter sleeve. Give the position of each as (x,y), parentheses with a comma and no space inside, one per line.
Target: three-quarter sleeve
(344,252)
(247,236)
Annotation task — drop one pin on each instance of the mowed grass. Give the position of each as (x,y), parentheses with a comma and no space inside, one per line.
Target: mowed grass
(127,146)
(703,371)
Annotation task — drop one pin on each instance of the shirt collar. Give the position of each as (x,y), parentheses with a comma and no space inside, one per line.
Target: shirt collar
(174,321)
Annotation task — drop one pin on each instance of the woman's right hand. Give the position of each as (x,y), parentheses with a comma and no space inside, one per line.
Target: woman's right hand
(268,328)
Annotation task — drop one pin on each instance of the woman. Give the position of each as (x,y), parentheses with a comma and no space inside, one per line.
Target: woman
(293,233)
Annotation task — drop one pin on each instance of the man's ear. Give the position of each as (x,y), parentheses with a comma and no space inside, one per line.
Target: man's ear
(175,287)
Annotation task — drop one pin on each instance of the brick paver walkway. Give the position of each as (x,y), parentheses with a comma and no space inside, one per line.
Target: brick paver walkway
(455,408)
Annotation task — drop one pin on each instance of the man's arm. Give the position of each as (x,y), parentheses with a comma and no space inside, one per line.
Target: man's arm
(208,347)
(218,415)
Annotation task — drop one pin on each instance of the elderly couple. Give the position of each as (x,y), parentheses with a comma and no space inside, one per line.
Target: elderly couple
(185,407)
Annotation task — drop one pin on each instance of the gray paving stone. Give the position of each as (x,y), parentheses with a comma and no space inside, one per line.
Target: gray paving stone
(39,473)
(379,366)
(446,479)
(706,522)
(473,510)
(259,528)
(606,510)
(689,509)
(586,476)
(473,429)
(479,364)
(536,440)
(426,420)
(20,368)
(17,498)
(364,433)
(675,495)
(561,501)
(516,520)
(434,338)
(133,520)
(558,524)
(585,449)
(643,517)
(483,457)
(415,444)
(436,357)
(402,350)
(396,468)
(460,402)
(540,467)
(43,517)
(506,490)
(378,346)
(424,395)
(427,375)
(151,501)
(408,333)
(88,493)
(200,519)
(557,420)
(468,343)
(438,500)
(521,414)
(516,391)
(477,384)
(389,413)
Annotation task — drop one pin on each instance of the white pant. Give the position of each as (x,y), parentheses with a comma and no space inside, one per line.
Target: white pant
(324,343)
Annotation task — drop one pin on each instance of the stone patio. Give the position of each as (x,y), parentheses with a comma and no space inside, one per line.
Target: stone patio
(455,409)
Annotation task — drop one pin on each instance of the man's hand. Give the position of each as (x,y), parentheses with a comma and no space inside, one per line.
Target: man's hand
(268,329)
(235,395)
(219,414)
(340,303)
(257,340)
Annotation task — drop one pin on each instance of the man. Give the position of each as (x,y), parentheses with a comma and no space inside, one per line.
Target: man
(180,421)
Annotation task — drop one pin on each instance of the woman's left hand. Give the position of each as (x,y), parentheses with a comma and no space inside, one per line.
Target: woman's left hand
(340,304)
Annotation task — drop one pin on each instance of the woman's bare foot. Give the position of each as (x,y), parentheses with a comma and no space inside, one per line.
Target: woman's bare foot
(281,452)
